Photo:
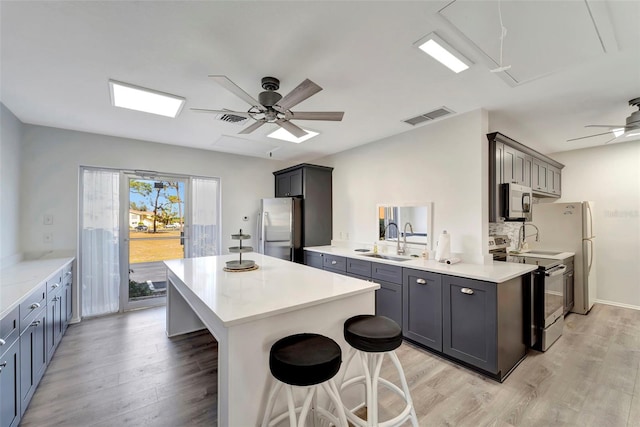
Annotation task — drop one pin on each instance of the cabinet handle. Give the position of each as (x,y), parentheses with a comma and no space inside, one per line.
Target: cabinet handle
(68,273)
(2,365)
(2,342)
(467,291)
(55,285)
(334,262)
(34,306)
(35,323)
(421,281)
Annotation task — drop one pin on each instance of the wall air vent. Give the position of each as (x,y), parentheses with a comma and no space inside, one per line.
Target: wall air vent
(231,118)
(431,115)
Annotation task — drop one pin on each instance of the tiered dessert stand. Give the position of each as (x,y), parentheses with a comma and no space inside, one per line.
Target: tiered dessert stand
(240,265)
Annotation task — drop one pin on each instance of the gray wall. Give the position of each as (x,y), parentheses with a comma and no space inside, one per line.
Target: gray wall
(10,161)
(50,180)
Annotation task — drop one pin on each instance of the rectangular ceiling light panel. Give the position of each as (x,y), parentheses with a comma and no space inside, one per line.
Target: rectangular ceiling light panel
(442,52)
(137,98)
(282,134)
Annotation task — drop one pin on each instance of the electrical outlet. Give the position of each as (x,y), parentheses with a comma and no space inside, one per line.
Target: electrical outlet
(47,220)
(47,238)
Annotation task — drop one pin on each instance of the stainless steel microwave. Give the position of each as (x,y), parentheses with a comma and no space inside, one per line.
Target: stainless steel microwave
(516,202)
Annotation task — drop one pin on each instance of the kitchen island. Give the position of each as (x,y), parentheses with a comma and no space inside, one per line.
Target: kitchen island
(247,312)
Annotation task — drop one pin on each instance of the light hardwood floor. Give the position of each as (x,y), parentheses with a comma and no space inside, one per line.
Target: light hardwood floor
(121,370)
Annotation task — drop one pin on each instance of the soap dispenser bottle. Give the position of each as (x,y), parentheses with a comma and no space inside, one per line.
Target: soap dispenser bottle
(375,247)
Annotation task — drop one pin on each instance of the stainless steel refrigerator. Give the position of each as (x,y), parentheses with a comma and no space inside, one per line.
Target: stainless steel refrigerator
(569,227)
(279,228)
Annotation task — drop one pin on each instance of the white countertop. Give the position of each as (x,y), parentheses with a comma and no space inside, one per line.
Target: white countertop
(18,280)
(497,272)
(533,253)
(277,286)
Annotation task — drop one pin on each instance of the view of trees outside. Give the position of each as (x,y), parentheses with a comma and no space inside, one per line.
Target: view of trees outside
(164,198)
(155,237)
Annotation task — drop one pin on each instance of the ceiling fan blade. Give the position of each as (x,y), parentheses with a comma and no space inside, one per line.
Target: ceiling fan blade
(237,113)
(252,127)
(294,130)
(589,136)
(301,92)
(235,89)
(335,116)
(606,126)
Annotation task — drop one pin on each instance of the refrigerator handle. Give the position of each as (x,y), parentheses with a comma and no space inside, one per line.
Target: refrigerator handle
(590,221)
(590,242)
(260,232)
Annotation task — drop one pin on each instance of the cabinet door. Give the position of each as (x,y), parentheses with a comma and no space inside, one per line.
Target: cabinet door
(469,321)
(553,180)
(68,303)
(289,184)
(539,175)
(422,307)
(10,386)
(313,259)
(524,163)
(509,165)
(389,301)
(53,326)
(33,358)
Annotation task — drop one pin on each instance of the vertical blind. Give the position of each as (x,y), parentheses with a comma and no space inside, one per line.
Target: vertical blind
(100,265)
(204,227)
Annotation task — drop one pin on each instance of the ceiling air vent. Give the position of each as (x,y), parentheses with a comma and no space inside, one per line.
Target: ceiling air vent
(231,118)
(431,115)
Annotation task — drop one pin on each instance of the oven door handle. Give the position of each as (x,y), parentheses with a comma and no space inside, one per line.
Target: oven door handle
(556,271)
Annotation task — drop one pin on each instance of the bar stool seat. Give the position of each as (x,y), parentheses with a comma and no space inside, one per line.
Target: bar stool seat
(310,361)
(371,338)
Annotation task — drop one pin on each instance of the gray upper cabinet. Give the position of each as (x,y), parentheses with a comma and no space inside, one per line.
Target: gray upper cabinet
(422,314)
(514,163)
(313,184)
(289,184)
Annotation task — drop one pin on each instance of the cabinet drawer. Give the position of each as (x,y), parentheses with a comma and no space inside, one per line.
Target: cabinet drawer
(313,259)
(67,274)
(9,330)
(54,285)
(386,272)
(32,305)
(359,267)
(336,263)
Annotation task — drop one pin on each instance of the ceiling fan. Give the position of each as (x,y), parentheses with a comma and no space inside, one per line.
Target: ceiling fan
(273,107)
(631,128)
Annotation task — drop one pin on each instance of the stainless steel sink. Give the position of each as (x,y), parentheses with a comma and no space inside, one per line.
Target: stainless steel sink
(391,258)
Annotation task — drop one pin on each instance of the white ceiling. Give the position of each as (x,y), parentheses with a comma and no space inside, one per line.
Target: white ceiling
(573,63)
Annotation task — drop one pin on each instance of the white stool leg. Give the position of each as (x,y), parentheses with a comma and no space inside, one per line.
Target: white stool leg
(405,387)
(275,388)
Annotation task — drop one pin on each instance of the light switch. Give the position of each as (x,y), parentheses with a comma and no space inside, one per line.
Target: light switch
(48,219)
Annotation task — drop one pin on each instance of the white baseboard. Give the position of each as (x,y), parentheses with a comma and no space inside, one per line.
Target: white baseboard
(618,304)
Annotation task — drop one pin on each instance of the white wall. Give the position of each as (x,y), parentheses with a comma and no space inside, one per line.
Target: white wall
(51,161)
(10,158)
(444,162)
(610,177)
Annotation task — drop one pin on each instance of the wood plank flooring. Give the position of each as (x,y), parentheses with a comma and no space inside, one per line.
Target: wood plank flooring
(122,370)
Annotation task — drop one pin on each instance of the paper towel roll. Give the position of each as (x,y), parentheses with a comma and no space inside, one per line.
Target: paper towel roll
(453,260)
(443,251)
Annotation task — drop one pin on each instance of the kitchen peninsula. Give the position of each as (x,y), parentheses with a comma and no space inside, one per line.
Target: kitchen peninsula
(473,314)
(248,311)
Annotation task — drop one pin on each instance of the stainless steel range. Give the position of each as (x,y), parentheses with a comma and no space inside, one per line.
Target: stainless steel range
(548,300)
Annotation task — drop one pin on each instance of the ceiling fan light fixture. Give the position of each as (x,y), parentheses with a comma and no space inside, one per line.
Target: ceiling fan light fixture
(442,52)
(132,97)
(284,135)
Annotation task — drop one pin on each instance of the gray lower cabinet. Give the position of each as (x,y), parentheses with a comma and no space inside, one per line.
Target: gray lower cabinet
(422,315)
(33,357)
(10,385)
(314,259)
(469,321)
(10,369)
(335,264)
(389,301)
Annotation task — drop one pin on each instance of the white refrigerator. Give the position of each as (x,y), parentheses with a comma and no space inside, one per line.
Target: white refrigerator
(569,227)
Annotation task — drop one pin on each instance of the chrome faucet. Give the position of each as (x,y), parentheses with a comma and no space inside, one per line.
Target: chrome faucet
(384,234)
(404,238)
(522,236)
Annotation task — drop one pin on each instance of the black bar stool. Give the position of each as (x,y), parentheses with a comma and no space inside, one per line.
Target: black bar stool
(371,338)
(308,361)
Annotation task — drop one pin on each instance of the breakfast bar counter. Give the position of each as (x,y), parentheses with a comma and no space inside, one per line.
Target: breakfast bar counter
(247,312)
